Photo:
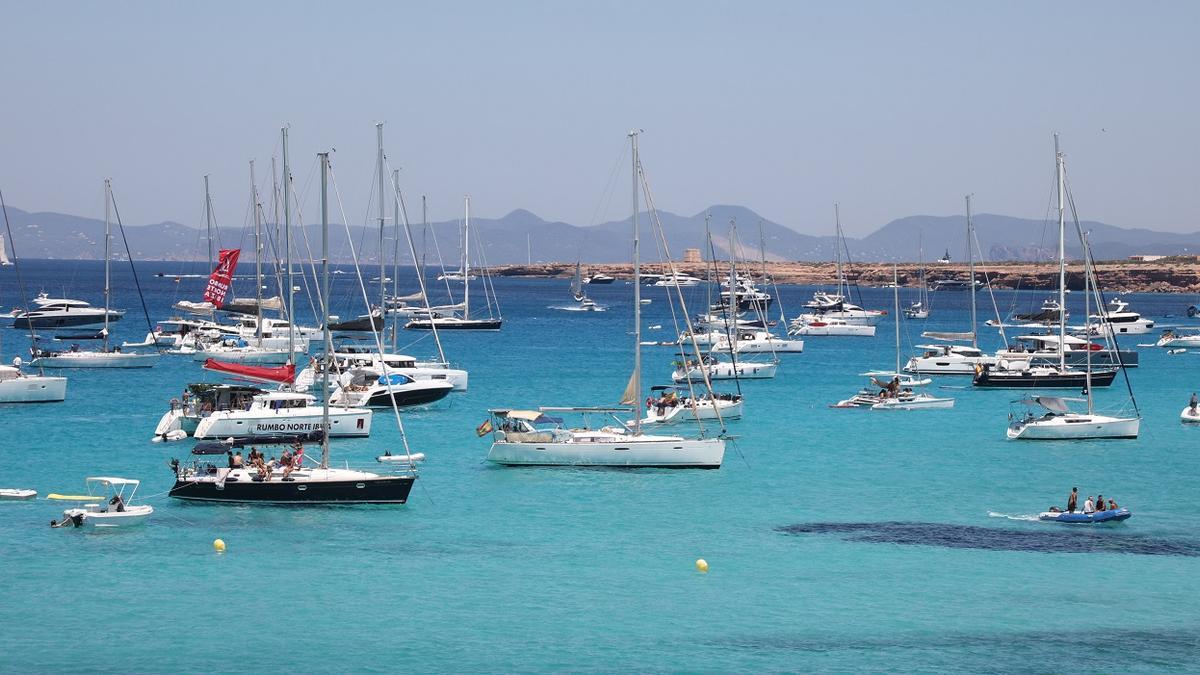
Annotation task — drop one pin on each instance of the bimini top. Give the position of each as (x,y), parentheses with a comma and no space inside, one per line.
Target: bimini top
(111,480)
(528,415)
(1056,404)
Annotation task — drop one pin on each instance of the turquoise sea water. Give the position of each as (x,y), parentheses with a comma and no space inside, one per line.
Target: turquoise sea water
(492,569)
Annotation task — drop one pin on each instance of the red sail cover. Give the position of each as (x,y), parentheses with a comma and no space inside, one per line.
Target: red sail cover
(222,277)
(276,374)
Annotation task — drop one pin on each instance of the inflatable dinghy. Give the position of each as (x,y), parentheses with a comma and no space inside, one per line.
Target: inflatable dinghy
(1079,517)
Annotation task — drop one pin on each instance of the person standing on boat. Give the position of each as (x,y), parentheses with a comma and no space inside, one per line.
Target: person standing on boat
(1073,500)
(1192,403)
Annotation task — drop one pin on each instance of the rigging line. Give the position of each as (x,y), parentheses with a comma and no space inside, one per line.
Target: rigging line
(1110,336)
(645,184)
(12,244)
(487,278)
(759,309)
(991,291)
(606,196)
(712,252)
(441,263)
(128,254)
(375,333)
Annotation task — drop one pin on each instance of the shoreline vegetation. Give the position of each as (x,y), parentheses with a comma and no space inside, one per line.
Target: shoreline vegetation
(1169,275)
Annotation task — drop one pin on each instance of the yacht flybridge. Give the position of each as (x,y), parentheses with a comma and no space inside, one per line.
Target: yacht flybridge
(1118,318)
(536,438)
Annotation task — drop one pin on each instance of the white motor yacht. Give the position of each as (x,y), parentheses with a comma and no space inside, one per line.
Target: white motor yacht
(1119,319)
(52,313)
(825,325)
(275,413)
(369,387)
(351,357)
(757,342)
(1179,338)
(680,279)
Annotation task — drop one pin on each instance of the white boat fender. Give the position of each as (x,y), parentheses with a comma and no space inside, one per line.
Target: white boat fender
(403,459)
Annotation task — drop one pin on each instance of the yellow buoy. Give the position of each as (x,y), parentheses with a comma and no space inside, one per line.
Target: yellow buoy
(219,545)
(702,565)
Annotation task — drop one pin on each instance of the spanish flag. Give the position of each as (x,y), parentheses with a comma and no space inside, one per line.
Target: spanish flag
(485,428)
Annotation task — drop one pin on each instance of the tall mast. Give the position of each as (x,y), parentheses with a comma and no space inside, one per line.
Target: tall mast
(258,331)
(325,306)
(208,221)
(107,285)
(837,218)
(382,216)
(637,295)
(971,272)
(396,255)
(287,248)
(1062,261)
(466,266)
(896,312)
(1087,310)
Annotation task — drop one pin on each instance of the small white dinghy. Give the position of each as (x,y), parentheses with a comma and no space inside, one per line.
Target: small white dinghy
(16,494)
(388,457)
(111,509)
(1190,415)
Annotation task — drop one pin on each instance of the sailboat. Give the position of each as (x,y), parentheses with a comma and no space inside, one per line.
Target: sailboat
(898,392)
(948,358)
(17,386)
(105,357)
(920,308)
(1059,421)
(463,322)
(4,261)
(826,307)
(582,302)
(204,480)
(1022,373)
(538,438)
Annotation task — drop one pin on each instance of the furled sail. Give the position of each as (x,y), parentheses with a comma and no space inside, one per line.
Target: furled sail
(937,335)
(630,397)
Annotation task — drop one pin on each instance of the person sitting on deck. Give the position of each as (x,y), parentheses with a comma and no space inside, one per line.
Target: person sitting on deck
(1089,506)
(1099,503)
(285,461)
(117,503)
(893,387)
(1112,505)
(236,461)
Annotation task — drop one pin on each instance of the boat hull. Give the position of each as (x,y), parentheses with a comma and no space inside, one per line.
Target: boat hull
(948,365)
(1074,427)
(1024,380)
(342,423)
(1190,415)
(458,324)
(664,454)
(377,490)
(33,389)
(67,320)
(96,360)
(686,413)
(726,371)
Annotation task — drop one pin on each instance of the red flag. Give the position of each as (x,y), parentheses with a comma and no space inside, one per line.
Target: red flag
(222,277)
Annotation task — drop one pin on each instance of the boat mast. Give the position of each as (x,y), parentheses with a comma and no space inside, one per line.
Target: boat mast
(258,331)
(1062,261)
(208,221)
(107,285)
(837,219)
(896,312)
(325,306)
(287,248)
(637,295)
(1087,309)
(396,256)
(971,273)
(382,216)
(466,266)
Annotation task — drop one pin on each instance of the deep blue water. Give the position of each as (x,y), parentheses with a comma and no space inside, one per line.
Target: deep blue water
(838,539)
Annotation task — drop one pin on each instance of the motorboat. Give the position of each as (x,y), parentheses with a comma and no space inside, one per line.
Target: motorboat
(1044,349)
(112,509)
(599,278)
(1119,319)
(1050,314)
(756,342)
(954,284)
(721,321)
(535,438)
(1081,518)
(20,387)
(826,307)
(948,359)
(825,325)
(199,400)
(54,313)
(1178,338)
(17,494)
(1058,422)
(694,370)
(670,405)
(273,413)
(678,279)
(349,357)
(368,387)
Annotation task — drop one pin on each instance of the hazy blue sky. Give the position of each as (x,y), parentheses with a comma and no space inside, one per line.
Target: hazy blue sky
(891,108)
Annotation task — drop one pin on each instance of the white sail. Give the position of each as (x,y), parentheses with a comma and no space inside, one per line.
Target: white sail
(4,253)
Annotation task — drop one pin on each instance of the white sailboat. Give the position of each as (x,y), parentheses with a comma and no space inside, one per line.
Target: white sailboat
(4,260)
(463,321)
(518,440)
(1059,422)
(836,305)
(920,308)
(898,392)
(105,357)
(582,302)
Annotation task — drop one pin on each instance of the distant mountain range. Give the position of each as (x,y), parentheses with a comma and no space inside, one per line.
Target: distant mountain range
(504,240)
